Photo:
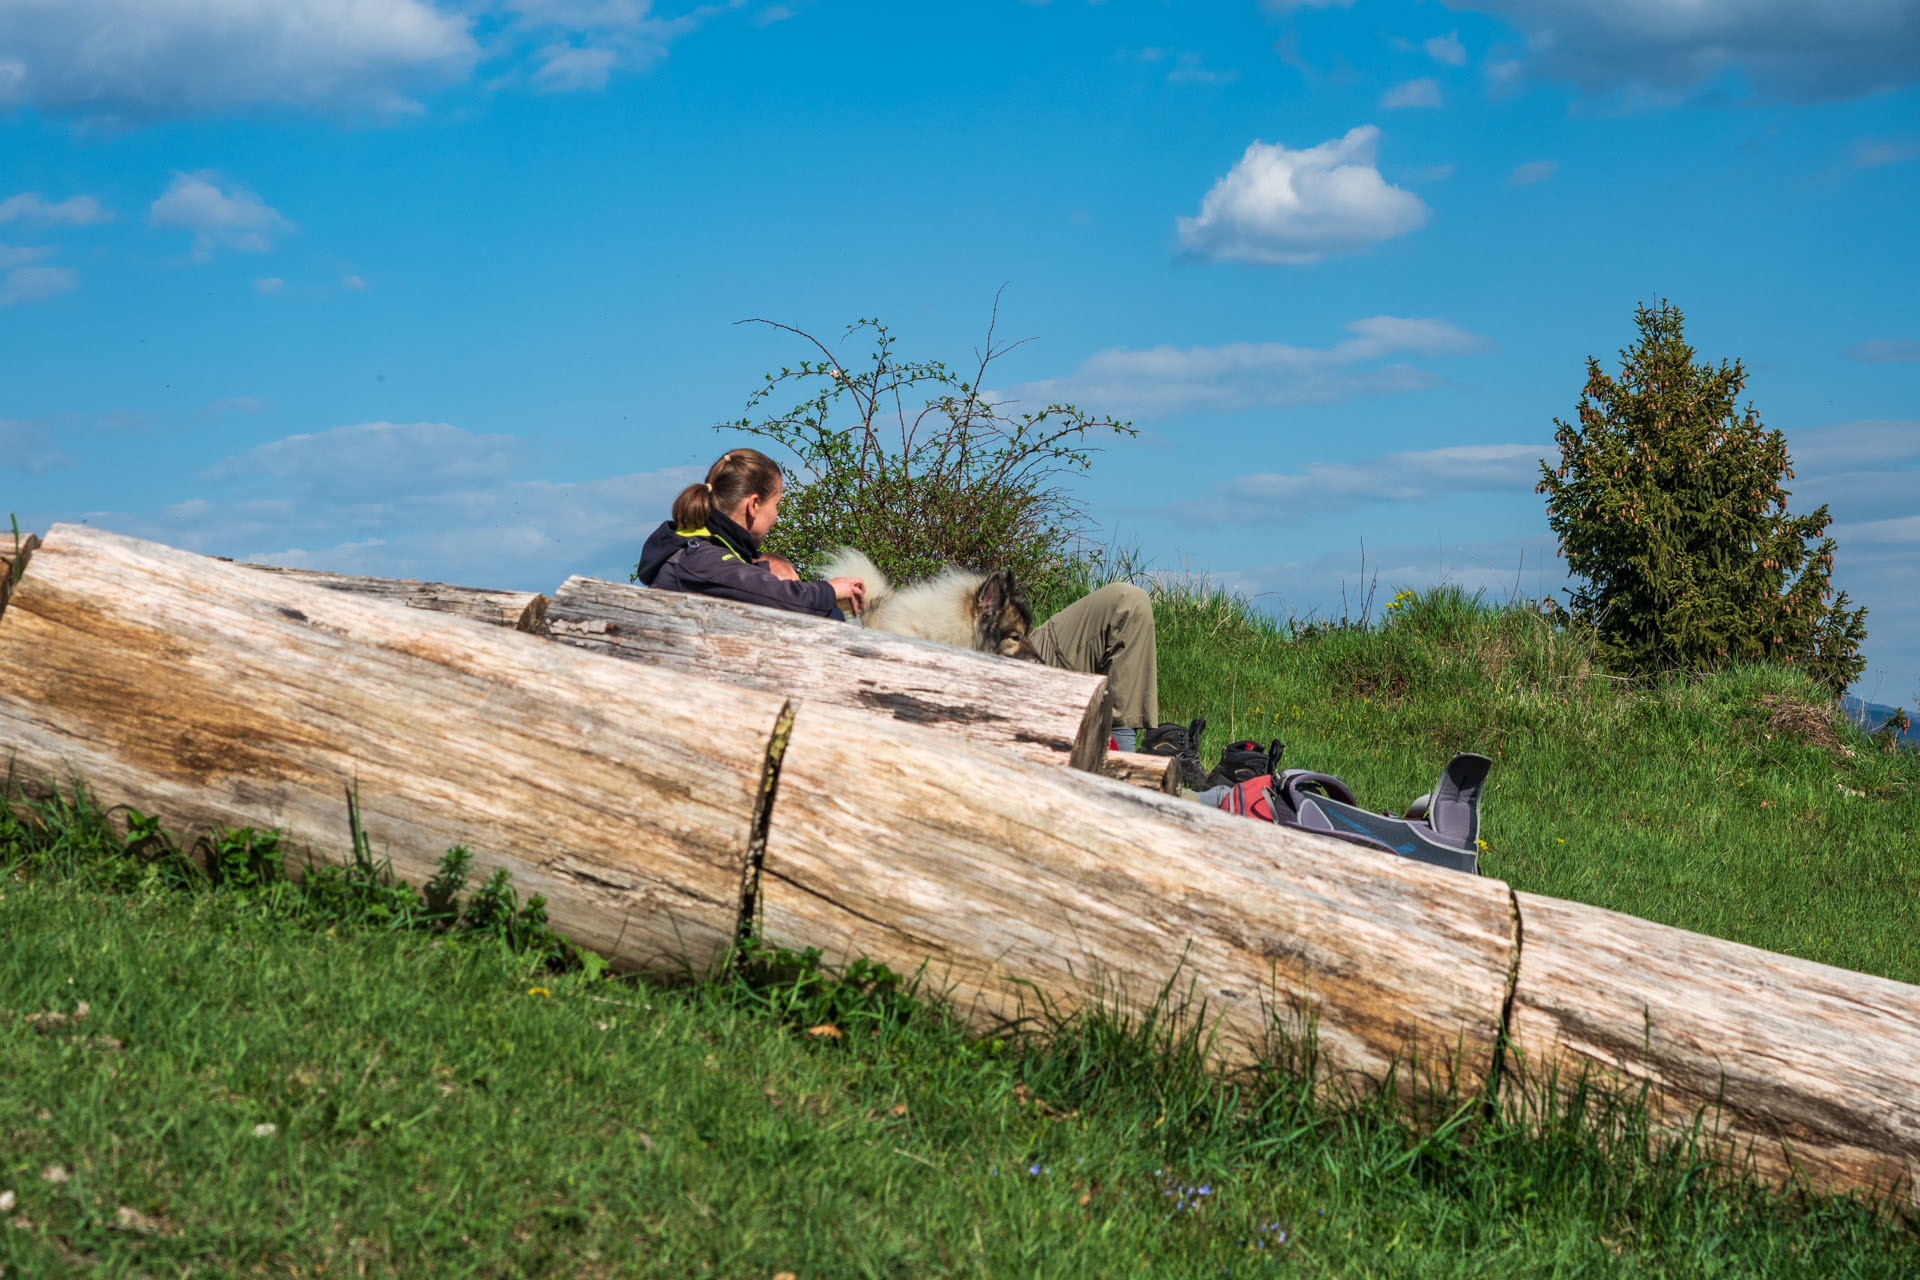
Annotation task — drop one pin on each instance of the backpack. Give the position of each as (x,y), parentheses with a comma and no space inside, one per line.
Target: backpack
(1441,828)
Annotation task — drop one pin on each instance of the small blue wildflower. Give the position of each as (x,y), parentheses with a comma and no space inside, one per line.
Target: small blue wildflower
(1034,1169)
(1206,1191)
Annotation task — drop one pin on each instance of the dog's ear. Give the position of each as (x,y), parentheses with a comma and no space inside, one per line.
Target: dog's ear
(995,590)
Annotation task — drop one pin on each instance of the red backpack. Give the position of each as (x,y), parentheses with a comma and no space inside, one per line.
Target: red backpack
(1441,827)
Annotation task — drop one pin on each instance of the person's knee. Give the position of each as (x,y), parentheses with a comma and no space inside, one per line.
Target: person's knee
(1129,604)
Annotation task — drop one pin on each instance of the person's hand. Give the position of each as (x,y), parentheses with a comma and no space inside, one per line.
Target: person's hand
(852,590)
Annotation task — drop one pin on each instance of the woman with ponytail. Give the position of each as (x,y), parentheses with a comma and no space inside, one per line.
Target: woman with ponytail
(711,546)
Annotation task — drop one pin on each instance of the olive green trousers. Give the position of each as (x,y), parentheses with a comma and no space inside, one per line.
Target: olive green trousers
(1109,633)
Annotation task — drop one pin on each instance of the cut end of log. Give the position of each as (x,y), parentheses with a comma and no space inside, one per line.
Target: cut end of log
(1137,769)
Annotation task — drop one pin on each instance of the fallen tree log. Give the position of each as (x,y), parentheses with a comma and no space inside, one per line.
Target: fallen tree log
(637,800)
(518,610)
(1035,711)
(1018,885)
(13,563)
(212,695)
(1807,1070)
(1138,769)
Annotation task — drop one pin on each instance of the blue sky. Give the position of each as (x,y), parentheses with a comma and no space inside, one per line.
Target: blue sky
(448,288)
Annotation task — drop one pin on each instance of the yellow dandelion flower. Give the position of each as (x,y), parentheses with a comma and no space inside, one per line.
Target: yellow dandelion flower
(538,991)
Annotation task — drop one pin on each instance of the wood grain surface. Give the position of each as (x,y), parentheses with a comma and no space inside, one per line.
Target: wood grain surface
(1039,712)
(518,610)
(1155,773)
(1004,877)
(213,695)
(1807,1068)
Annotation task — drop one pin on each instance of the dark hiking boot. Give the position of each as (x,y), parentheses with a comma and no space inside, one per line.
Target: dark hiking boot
(1244,760)
(1182,742)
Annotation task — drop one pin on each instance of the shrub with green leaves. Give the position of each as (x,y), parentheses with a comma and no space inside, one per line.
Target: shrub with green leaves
(1669,505)
(916,465)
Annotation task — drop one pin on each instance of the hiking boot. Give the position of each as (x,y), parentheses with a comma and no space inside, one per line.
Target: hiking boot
(1182,742)
(1244,760)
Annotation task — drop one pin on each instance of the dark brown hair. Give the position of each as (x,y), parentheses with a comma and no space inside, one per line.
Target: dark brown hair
(740,474)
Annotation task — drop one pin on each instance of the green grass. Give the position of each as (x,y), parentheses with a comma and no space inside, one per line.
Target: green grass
(443,1103)
(1676,802)
(445,1108)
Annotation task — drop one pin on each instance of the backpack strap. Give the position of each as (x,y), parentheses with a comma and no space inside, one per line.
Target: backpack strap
(1454,811)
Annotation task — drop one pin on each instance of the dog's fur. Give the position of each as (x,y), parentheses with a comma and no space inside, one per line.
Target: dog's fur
(983,611)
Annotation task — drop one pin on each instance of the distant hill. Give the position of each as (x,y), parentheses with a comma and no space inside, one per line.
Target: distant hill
(1871,715)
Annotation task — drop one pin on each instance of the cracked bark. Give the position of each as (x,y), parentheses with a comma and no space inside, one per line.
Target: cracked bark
(1039,712)
(209,695)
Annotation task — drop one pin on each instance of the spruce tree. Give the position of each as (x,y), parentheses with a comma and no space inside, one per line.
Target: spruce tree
(1670,508)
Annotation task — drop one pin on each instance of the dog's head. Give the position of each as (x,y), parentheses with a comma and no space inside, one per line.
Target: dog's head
(1002,619)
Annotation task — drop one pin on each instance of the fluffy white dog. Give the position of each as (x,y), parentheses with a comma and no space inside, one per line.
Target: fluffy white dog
(979,611)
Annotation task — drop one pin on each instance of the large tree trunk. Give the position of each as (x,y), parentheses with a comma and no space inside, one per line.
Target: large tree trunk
(519,610)
(213,695)
(1808,1069)
(1032,710)
(1016,885)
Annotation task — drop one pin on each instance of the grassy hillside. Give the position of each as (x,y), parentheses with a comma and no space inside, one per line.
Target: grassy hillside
(248,1095)
(283,1080)
(1738,805)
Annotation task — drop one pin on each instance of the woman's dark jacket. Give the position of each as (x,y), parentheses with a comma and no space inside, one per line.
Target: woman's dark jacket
(718,560)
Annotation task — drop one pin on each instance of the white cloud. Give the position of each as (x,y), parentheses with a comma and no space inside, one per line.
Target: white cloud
(1799,49)
(378,458)
(1257,375)
(21,255)
(267,286)
(1873,155)
(1293,207)
(131,62)
(25,446)
(1902,530)
(579,44)
(139,60)
(422,500)
(1525,175)
(771,14)
(1414,93)
(1868,442)
(31,284)
(1432,173)
(1365,578)
(74,211)
(233,217)
(1886,351)
(1187,67)
(1447,49)
(1415,476)
(353,284)
(565,68)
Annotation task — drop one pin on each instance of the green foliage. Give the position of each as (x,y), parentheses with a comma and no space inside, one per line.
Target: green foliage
(246,1096)
(1668,504)
(68,837)
(956,480)
(1739,804)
